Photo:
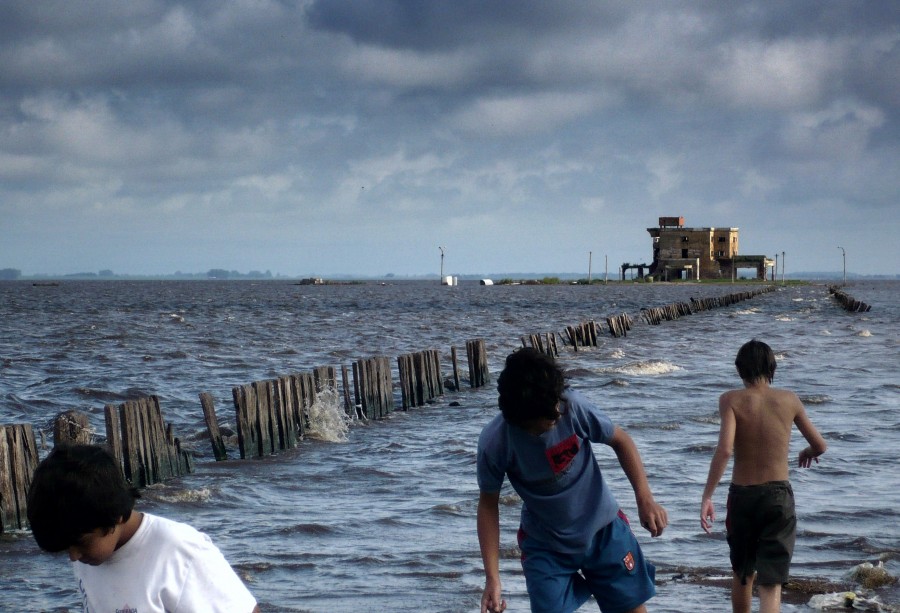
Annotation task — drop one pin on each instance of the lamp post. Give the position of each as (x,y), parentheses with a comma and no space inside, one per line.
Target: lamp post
(844,253)
(442,264)
(782,267)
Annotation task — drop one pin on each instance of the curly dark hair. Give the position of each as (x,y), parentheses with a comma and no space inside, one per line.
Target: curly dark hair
(530,386)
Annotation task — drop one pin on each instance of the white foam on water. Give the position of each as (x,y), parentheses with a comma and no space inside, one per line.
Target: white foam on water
(327,419)
(644,368)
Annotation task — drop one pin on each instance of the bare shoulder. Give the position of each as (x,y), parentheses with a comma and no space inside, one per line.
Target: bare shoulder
(786,400)
(730,397)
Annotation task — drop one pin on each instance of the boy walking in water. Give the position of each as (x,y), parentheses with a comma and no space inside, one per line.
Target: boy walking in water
(756,426)
(128,561)
(575,541)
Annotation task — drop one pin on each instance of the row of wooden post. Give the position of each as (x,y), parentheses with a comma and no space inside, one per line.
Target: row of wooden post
(420,378)
(545,343)
(848,302)
(145,446)
(272,415)
(586,334)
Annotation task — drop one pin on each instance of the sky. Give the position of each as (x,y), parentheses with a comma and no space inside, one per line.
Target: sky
(367,137)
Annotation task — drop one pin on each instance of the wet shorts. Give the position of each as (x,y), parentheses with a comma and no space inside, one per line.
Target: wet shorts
(613,569)
(761,527)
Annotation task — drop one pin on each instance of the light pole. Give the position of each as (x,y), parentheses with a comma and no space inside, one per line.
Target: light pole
(442,264)
(782,267)
(590,255)
(844,253)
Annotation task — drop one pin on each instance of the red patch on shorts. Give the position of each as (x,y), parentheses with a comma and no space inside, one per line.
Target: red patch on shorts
(628,561)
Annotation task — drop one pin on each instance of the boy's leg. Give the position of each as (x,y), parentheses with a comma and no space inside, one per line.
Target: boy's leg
(616,571)
(741,594)
(552,579)
(769,598)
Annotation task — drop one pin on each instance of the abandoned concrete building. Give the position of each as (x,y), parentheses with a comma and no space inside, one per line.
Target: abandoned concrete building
(700,253)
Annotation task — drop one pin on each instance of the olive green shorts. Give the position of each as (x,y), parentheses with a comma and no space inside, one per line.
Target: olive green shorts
(761,527)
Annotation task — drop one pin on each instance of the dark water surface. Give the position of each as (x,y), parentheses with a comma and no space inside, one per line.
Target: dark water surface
(383,518)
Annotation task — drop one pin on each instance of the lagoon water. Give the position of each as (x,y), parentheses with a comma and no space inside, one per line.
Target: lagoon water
(382,517)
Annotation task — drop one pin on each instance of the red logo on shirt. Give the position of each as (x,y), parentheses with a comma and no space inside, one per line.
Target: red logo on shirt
(628,561)
(561,454)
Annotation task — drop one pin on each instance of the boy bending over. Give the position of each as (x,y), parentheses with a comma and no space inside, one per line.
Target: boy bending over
(575,541)
(79,502)
(761,526)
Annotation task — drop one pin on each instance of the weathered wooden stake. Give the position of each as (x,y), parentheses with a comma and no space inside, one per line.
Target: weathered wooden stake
(18,460)
(212,427)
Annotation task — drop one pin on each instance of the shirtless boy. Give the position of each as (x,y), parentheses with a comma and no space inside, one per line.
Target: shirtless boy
(761,526)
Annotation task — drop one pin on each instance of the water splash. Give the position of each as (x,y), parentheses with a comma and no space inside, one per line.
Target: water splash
(327,419)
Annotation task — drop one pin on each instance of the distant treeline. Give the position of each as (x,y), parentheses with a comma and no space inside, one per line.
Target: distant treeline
(13,274)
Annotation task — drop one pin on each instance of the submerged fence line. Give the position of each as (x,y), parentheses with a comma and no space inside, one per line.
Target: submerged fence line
(848,302)
(272,415)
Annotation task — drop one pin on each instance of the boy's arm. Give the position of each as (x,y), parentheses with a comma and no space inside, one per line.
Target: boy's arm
(719,462)
(652,515)
(489,541)
(817,444)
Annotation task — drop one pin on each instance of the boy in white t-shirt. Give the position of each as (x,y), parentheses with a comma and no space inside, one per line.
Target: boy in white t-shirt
(79,502)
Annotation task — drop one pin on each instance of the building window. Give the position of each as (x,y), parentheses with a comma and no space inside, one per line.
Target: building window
(684,239)
(684,253)
(721,254)
(721,239)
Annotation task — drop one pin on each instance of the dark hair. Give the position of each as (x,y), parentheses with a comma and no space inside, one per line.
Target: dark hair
(755,360)
(530,386)
(76,490)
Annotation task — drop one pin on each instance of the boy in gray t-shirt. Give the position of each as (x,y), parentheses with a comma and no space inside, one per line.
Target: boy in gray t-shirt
(575,541)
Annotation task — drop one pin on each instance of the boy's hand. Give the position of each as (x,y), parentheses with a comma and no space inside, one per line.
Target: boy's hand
(653,517)
(807,457)
(491,600)
(707,515)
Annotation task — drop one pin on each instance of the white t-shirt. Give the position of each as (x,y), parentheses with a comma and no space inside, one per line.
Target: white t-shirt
(166,567)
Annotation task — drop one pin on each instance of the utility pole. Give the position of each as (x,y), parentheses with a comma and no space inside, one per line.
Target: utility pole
(844,252)
(442,264)
(605,270)
(782,267)
(590,254)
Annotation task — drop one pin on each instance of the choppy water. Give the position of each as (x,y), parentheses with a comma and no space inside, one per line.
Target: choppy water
(385,520)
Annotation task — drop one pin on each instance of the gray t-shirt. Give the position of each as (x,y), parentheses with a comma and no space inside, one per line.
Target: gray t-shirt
(565,498)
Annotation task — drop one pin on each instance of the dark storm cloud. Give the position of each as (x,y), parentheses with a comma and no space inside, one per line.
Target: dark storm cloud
(479,122)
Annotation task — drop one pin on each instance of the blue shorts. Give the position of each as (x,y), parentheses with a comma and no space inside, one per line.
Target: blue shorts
(613,569)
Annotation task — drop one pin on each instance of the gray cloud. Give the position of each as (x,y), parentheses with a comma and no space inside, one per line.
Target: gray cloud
(356,136)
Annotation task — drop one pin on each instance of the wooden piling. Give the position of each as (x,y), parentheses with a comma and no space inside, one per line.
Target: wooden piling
(349,408)
(479,374)
(113,432)
(212,427)
(455,367)
(18,461)
(72,427)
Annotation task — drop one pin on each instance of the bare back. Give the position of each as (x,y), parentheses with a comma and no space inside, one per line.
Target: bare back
(763,417)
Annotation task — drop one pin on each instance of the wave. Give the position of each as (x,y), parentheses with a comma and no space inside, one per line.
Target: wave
(327,419)
(178,496)
(131,393)
(752,311)
(864,333)
(617,383)
(816,399)
(643,368)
